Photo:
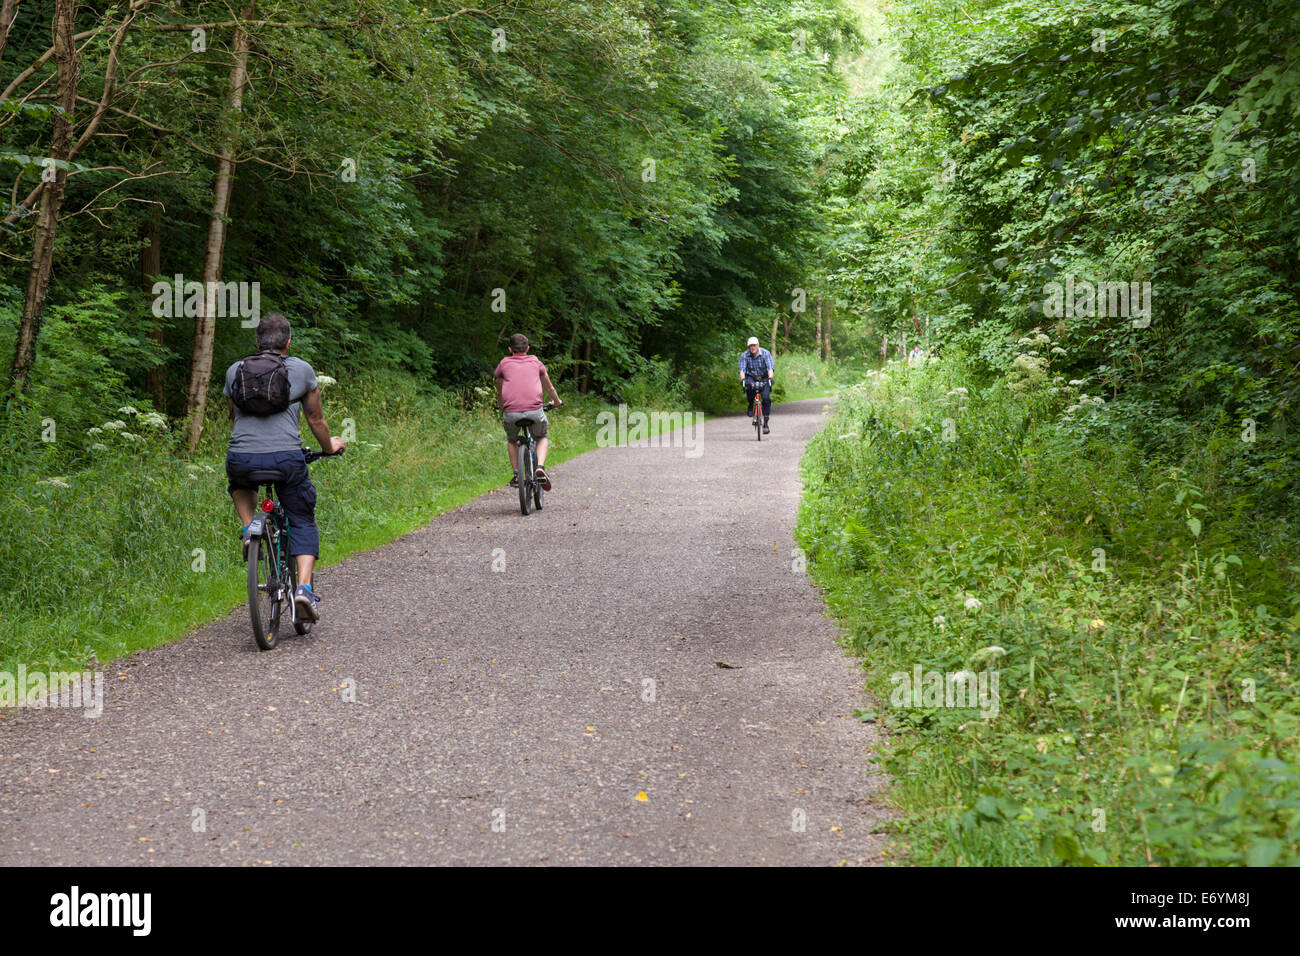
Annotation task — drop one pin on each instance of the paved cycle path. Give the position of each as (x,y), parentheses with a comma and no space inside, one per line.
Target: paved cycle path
(568,709)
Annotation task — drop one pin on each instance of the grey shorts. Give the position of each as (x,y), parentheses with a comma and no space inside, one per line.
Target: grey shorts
(511,422)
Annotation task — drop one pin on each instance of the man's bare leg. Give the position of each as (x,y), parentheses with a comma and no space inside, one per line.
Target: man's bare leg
(541,452)
(306,564)
(245,503)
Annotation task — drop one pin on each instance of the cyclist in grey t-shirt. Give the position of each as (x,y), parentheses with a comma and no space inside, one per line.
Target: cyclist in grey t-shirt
(272,443)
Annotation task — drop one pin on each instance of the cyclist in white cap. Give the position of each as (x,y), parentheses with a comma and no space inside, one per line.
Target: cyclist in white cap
(756,369)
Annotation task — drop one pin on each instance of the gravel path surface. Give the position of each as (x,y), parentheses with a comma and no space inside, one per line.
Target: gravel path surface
(568,709)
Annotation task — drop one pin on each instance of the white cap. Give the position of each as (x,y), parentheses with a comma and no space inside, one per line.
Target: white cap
(753,340)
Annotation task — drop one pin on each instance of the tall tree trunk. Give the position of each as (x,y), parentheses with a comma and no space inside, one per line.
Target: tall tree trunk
(819,328)
(205,325)
(8,11)
(51,199)
(776,321)
(826,335)
(586,368)
(150,269)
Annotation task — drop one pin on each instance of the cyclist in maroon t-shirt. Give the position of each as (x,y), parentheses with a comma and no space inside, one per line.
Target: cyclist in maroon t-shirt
(520,380)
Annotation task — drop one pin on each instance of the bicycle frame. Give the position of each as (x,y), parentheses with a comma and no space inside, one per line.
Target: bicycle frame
(759,386)
(268,552)
(530,490)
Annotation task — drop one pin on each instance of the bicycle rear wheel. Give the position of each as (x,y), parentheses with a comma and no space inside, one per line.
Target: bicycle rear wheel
(525,478)
(265,592)
(537,493)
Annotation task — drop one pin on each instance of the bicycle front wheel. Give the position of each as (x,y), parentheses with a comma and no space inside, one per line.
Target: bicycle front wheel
(525,479)
(265,592)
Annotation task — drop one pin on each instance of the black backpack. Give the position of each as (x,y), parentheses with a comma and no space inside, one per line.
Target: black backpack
(261,385)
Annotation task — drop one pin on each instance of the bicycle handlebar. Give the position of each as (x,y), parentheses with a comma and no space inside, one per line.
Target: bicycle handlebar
(317,455)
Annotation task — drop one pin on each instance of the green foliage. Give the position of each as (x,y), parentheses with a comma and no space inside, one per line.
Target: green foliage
(1148,706)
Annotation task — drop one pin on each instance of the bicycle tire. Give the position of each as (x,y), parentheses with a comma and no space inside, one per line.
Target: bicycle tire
(758,421)
(525,478)
(263,608)
(537,493)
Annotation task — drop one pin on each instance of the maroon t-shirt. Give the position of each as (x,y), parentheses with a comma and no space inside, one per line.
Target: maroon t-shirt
(521,382)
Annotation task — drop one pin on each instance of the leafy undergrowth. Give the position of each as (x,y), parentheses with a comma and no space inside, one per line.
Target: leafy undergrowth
(1141,619)
(136,543)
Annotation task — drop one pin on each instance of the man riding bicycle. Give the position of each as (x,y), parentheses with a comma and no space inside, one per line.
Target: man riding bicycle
(266,392)
(520,380)
(756,367)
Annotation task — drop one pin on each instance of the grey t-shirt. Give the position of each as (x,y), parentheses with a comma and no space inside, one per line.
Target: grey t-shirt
(258,434)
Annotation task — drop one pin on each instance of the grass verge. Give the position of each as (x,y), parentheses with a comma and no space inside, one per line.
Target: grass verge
(1123,628)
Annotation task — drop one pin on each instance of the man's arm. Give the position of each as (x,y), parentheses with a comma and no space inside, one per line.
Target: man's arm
(330,444)
(546,384)
(741,365)
(771,365)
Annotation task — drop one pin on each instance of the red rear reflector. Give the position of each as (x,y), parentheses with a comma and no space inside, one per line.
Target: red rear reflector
(268,505)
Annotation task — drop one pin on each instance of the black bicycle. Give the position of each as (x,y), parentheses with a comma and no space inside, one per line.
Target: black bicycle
(530,489)
(272,571)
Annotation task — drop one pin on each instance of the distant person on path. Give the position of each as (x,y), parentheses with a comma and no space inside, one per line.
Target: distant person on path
(266,392)
(756,368)
(520,380)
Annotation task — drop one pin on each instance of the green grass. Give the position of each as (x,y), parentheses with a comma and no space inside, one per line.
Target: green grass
(107,565)
(1143,626)
(803,375)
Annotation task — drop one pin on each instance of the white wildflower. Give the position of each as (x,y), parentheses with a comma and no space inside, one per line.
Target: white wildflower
(99,446)
(1076,382)
(973,604)
(95,431)
(1057,350)
(56,482)
(325,380)
(986,655)
(127,410)
(114,426)
(153,420)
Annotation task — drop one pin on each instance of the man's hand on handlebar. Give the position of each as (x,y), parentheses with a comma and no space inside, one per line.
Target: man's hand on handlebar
(337,445)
